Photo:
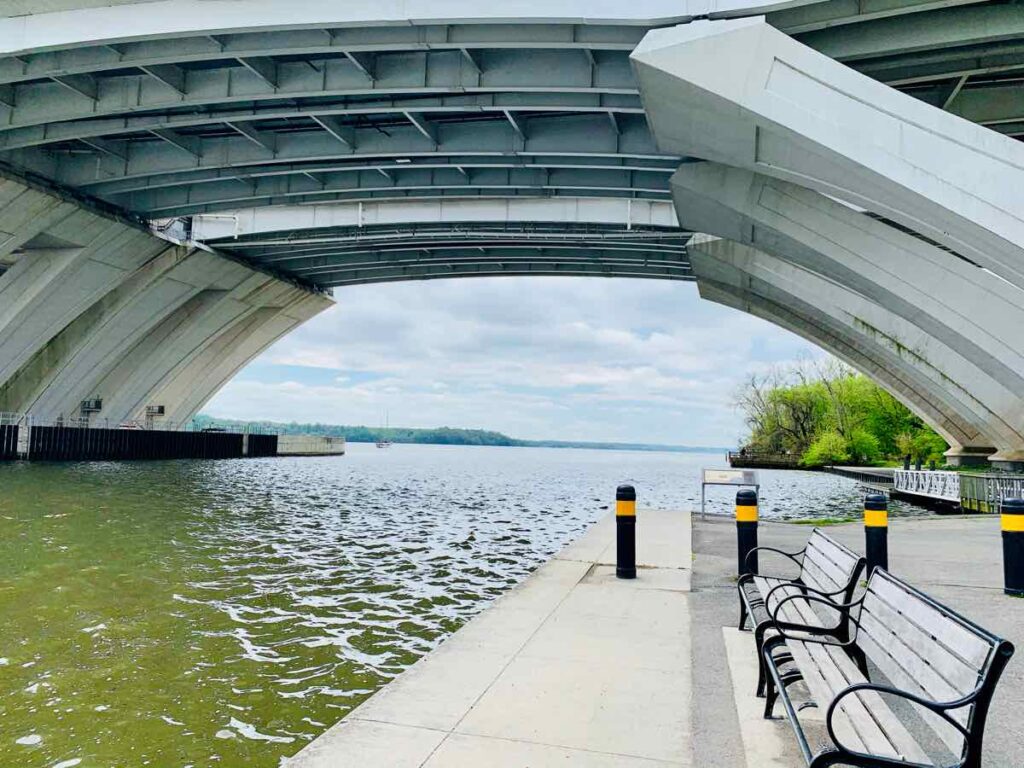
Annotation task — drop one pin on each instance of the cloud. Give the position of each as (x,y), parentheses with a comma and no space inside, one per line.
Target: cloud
(561,358)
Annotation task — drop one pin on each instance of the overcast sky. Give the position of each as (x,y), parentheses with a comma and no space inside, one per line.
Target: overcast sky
(539,358)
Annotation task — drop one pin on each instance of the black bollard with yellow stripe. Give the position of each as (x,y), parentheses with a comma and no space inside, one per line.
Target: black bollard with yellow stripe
(876,531)
(746,530)
(625,532)
(1013,546)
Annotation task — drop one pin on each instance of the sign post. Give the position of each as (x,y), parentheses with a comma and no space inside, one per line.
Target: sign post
(734,477)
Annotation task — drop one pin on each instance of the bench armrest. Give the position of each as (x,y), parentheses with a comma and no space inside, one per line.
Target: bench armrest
(791,555)
(842,609)
(938,707)
(803,589)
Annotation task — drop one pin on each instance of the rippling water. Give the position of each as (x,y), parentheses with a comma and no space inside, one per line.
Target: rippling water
(225,613)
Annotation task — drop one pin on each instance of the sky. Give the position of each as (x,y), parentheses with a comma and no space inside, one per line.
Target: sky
(557,358)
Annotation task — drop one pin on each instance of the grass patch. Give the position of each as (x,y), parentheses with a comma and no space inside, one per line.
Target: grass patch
(823,521)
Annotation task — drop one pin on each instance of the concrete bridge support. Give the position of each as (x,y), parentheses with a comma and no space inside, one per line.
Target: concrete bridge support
(743,93)
(192,386)
(935,273)
(92,307)
(968,312)
(825,313)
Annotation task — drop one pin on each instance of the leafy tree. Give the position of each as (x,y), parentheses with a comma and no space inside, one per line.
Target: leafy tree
(827,413)
(828,448)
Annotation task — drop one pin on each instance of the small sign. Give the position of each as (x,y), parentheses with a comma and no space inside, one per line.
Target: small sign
(726,477)
(730,477)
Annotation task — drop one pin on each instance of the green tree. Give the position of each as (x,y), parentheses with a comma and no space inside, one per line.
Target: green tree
(828,413)
(828,448)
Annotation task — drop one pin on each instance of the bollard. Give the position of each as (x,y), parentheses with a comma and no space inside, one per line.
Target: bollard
(746,530)
(1013,546)
(625,532)
(876,531)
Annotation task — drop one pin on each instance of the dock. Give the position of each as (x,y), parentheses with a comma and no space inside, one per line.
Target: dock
(577,669)
(876,478)
(574,667)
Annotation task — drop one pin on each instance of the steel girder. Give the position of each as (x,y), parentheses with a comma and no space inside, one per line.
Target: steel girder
(359,254)
(575,154)
(395,74)
(200,121)
(158,113)
(451,267)
(363,43)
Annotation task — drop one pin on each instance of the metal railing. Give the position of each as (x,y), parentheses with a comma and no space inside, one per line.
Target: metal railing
(757,459)
(985,492)
(943,486)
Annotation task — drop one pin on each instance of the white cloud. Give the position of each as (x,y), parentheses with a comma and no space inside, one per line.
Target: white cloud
(556,358)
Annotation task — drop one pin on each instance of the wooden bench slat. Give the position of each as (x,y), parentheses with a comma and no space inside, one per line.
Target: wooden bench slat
(843,558)
(816,577)
(943,676)
(900,678)
(821,692)
(863,721)
(826,565)
(969,646)
(796,611)
(917,646)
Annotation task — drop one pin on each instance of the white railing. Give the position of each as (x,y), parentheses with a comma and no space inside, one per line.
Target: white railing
(935,485)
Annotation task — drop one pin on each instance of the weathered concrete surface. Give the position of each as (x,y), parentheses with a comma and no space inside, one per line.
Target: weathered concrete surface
(764,742)
(828,313)
(310,445)
(97,307)
(953,321)
(742,93)
(957,560)
(572,668)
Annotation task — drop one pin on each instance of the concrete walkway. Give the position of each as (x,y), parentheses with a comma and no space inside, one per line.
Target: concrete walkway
(574,668)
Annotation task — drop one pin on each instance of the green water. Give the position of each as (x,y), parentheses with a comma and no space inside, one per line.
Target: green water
(226,613)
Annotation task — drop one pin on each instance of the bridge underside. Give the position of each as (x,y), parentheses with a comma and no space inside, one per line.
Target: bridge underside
(181,193)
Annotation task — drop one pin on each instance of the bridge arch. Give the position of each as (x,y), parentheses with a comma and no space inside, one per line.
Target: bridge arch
(183,188)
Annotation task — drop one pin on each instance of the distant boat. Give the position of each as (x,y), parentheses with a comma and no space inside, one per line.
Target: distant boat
(384,442)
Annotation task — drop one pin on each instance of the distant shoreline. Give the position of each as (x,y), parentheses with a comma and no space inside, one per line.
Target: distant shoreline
(440,436)
(570,444)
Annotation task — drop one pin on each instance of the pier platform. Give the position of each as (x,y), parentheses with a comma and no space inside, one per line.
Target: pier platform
(573,668)
(577,669)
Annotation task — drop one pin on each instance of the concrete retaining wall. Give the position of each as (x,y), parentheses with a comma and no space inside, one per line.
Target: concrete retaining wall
(310,445)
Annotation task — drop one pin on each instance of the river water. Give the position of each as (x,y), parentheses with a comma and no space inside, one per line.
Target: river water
(224,613)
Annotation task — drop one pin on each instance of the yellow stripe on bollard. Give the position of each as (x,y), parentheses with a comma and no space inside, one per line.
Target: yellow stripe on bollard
(876,518)
(625,508)
(746,514)
(1013,523)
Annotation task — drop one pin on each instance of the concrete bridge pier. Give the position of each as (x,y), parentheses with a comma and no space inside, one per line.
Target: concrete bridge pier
(884,213)
(723,278)
(97,307)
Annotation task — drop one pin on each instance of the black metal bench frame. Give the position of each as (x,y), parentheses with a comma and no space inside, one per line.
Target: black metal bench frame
(779,681)
(749,607)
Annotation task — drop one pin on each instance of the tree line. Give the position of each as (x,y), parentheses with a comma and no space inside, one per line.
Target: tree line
(827,413)
(435,436)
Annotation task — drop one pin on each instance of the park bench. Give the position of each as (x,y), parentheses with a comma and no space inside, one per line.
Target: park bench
(939,672)
(827,569)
